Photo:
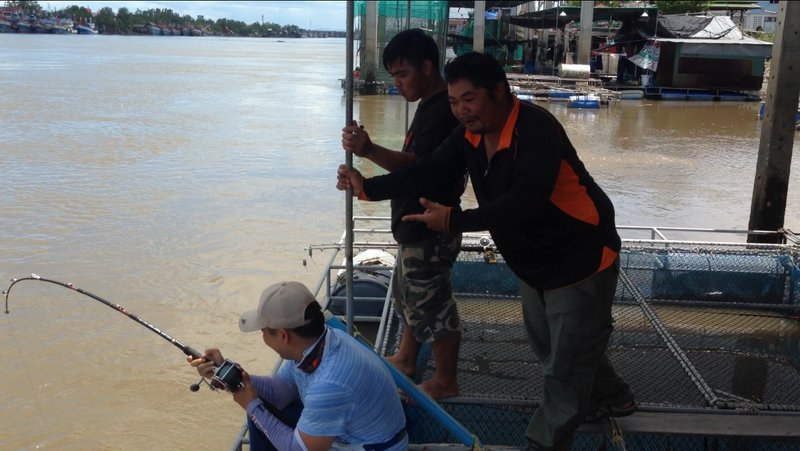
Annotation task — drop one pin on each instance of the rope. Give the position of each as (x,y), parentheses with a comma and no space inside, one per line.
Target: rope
(666,337)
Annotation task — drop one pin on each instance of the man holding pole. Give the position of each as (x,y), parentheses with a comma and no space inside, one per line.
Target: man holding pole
(553,225)
(422,290)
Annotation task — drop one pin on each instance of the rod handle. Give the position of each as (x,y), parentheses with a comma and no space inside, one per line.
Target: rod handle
(192,352)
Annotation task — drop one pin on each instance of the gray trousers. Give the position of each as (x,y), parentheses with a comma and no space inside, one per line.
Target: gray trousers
(569,329)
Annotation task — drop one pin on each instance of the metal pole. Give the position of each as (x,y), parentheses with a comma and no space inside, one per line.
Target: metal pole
(348,247)
(369,36)
(408,26)
(771,186)
(584,49)
(555,44)
(478,26)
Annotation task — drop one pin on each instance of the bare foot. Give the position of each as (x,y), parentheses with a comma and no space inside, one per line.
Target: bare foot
(402,365)
(439,390)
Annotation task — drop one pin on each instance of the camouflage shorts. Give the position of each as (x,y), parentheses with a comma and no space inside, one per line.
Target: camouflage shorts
(422,288)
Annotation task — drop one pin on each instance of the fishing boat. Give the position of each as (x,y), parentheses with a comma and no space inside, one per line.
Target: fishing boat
(631,94)
(86,28)
(590,101)
(6,26)
(706,332)
(560,94)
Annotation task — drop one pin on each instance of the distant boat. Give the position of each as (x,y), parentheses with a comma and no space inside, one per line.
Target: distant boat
(63,26)
(559,94)
(86,29)
(6,26)
(584,101)
(43,26)
(24,26)
(631,94)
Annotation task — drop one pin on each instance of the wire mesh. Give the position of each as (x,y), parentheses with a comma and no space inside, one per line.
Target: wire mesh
(710,328)
(393,17)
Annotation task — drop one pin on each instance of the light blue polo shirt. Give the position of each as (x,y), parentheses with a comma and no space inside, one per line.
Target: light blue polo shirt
(351,395)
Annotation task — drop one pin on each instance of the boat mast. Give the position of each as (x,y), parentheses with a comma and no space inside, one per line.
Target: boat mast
(771,186)
(348,252)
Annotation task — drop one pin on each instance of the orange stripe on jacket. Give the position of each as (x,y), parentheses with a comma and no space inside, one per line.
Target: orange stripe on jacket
(571,197)
(608,257)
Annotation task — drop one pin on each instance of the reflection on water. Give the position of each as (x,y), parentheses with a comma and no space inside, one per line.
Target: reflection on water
(178,177)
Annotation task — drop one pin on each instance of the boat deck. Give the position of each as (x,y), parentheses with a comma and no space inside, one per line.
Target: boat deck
(708,337)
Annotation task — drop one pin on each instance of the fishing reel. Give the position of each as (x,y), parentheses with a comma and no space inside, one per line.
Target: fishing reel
(227,376)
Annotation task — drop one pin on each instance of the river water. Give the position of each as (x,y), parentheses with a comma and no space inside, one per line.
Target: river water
(178,177)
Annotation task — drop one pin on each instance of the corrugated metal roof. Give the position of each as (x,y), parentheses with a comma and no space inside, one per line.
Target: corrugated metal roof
(489,4)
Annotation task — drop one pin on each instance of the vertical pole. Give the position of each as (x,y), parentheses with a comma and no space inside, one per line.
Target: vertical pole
(369,35)
(545,36)
(585,38)
(408,26)
(770,189)
(555,43)
(348,251)
(478,25)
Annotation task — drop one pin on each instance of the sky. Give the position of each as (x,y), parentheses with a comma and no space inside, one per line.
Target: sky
(307,14)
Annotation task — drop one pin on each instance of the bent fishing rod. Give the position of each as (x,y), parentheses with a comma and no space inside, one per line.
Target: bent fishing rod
(225,375)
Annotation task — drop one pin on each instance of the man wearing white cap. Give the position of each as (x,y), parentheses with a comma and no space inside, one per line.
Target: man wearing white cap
(349,398)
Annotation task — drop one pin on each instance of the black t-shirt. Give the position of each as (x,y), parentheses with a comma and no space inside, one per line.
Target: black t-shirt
(432,123)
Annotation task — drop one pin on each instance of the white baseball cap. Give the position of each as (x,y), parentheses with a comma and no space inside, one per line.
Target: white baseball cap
(282,306)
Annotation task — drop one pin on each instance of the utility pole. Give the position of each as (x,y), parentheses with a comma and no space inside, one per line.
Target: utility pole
(770,189)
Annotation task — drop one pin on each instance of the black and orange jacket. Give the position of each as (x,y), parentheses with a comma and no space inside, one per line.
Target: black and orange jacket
(552,223)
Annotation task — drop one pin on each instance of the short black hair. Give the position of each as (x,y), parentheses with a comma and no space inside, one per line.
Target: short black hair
(317,325)
(413,46)
(480,69)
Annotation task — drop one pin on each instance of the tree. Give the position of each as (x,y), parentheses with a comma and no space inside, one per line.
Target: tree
(681,6)
(27,7)
(124,20)
(106,21)
(79,14)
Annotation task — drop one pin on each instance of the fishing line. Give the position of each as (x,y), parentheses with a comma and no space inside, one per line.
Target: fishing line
(227,376)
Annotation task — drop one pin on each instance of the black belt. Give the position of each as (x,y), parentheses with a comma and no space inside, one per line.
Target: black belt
(387,444)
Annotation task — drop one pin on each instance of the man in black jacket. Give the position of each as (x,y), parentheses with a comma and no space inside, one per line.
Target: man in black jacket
(422,290)
(553,225)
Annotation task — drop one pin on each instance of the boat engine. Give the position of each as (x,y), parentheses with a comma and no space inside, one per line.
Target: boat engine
(370,286)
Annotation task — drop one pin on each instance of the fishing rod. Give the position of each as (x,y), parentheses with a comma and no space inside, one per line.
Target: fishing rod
(227,376)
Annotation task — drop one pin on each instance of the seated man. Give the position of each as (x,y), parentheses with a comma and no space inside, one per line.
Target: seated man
(349,398)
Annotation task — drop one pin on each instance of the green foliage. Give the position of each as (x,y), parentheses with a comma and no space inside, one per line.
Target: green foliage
(124,21)
(105,20)
(681,6)
(77,13)
(27,7)
(761,35)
